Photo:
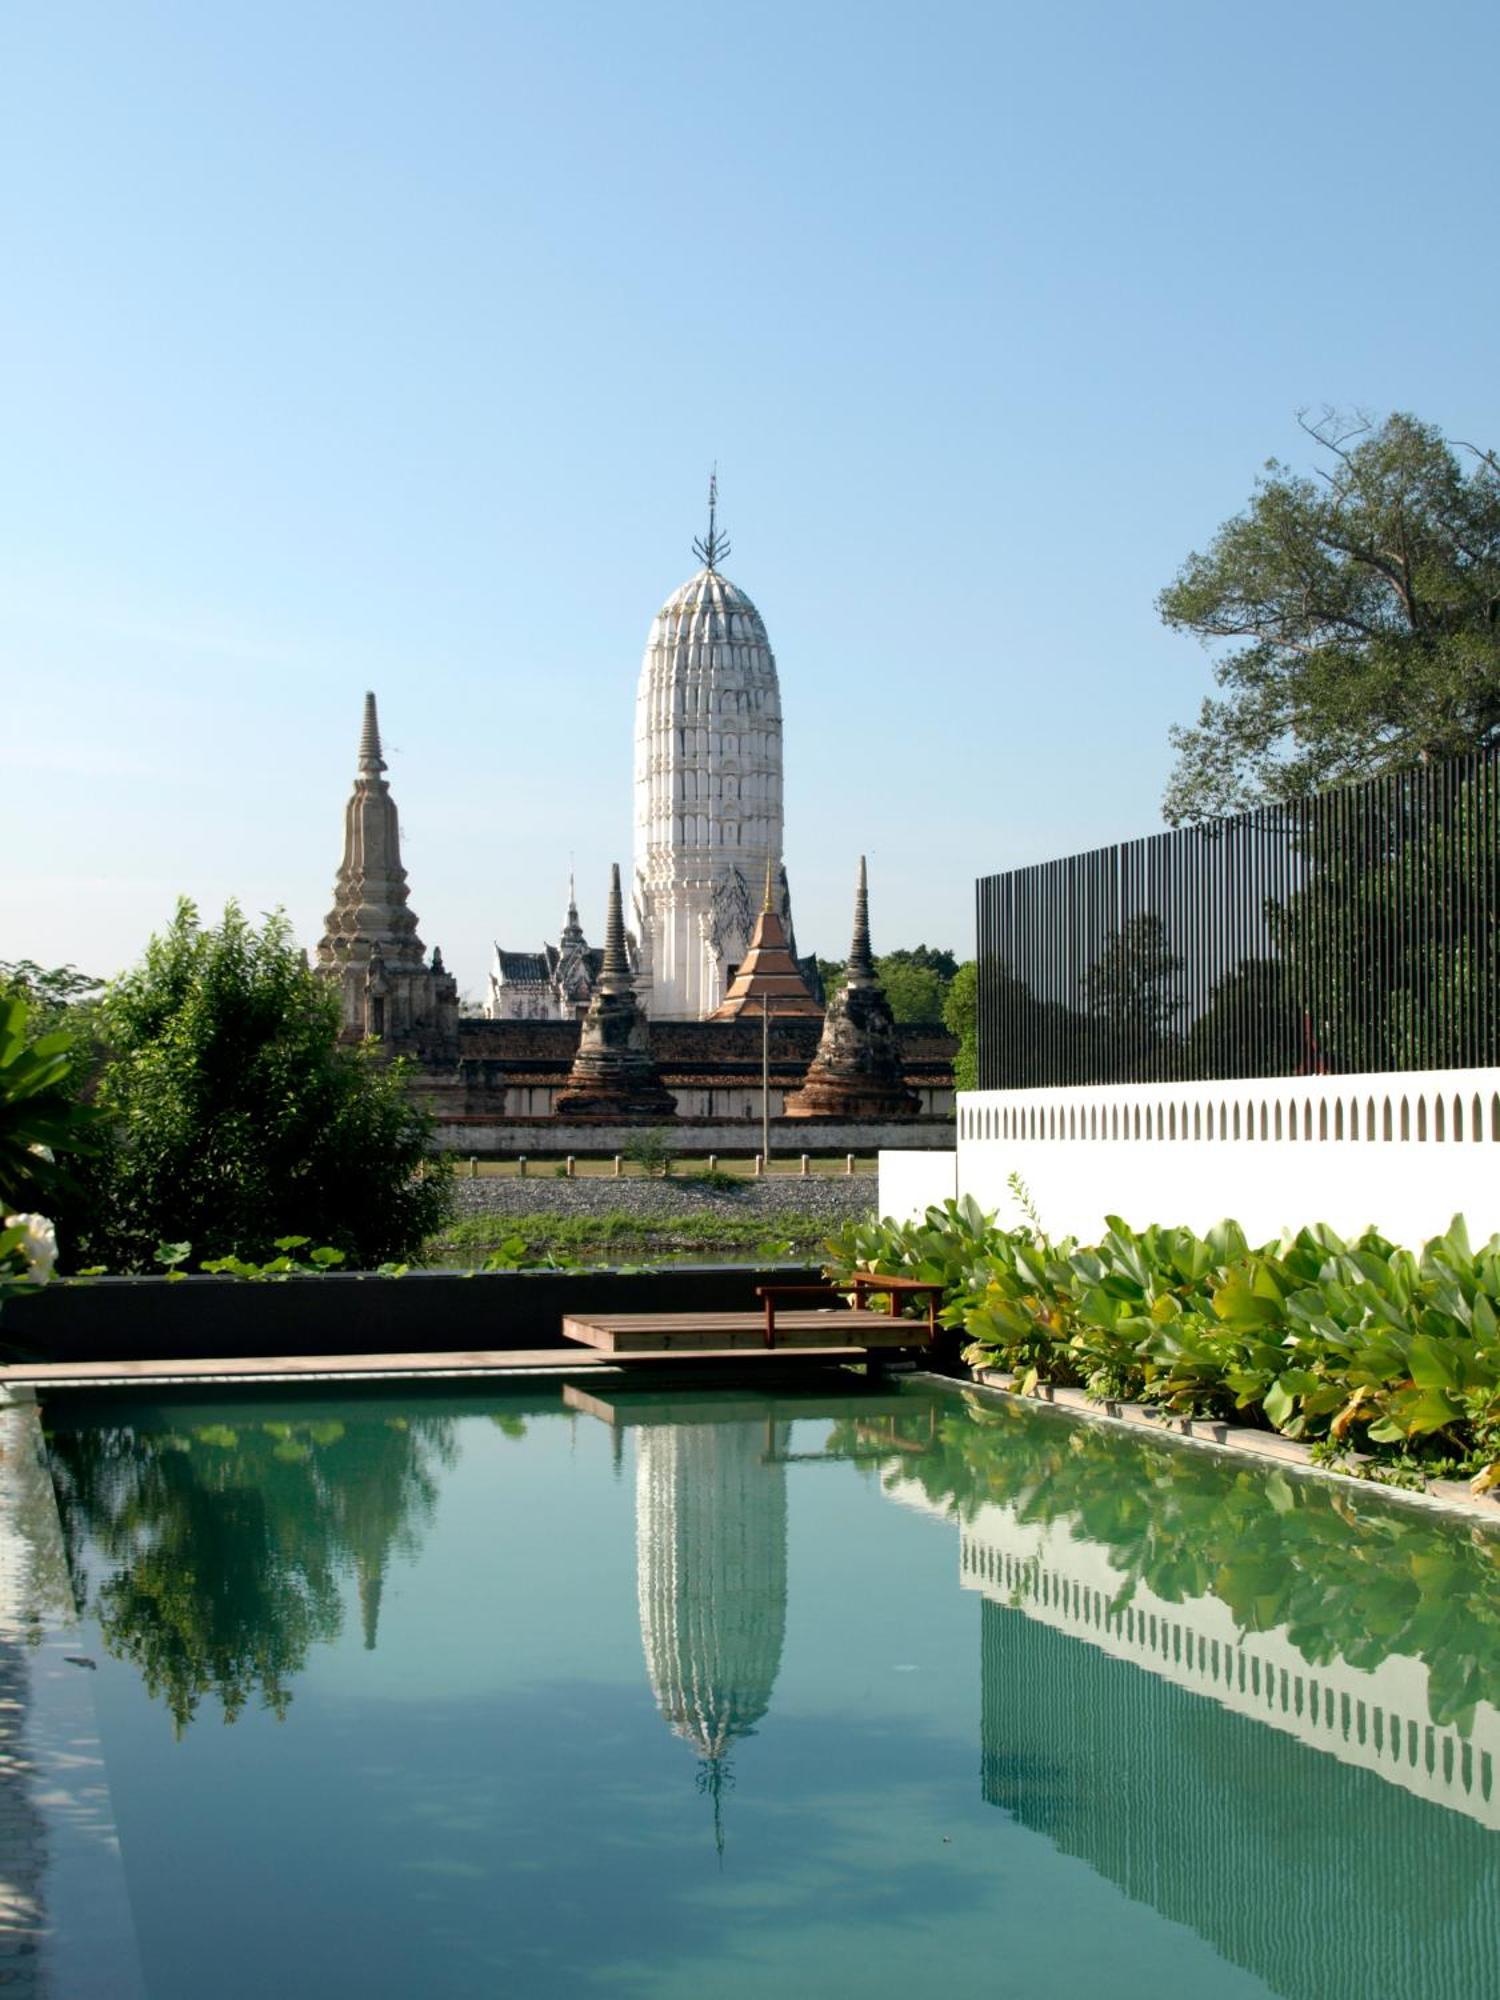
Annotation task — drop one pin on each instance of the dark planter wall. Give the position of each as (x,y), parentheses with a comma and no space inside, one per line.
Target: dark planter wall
(160,1319)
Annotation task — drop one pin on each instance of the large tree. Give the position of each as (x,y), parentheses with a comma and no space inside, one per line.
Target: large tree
(231,1116)
(1362,609)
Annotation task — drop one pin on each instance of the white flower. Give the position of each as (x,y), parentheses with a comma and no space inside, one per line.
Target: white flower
(38,1246)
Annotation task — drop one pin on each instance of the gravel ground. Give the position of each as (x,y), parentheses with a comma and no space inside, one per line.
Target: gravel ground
(832,1198)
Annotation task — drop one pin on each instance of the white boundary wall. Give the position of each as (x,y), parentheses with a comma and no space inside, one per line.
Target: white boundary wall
(911,1183)
(1405,1151)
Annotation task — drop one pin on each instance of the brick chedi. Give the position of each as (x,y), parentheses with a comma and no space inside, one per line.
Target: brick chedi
(858,1069)
(370,948)
(613,1075)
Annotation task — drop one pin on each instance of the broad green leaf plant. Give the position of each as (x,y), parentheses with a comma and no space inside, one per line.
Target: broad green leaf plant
(1353,1346)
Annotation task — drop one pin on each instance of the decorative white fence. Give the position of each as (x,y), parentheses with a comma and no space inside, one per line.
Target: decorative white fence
(1405,1151)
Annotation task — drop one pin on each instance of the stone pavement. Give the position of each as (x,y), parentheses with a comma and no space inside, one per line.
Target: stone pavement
(832,1198)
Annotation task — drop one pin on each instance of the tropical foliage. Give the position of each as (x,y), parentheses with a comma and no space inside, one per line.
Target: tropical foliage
(40,1115)
(1349,1344)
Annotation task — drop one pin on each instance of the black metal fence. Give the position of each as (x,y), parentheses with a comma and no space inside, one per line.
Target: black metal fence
(1359,930)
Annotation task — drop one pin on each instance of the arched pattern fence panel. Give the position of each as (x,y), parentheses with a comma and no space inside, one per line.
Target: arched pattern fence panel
(1386,1110)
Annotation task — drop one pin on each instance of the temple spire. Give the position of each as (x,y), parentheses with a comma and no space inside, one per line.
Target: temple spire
(861,966)
(370,946)
(713,545)
(572,935)
(613,1075)
(767,980)
(614,969)
(859,1070)
(371,763)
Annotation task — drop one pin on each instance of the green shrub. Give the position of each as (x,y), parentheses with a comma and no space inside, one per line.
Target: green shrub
(40,1116)
(651,1151)
(231,1115)
(1344,1343)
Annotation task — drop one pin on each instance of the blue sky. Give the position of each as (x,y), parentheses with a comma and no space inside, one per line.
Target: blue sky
(350,346)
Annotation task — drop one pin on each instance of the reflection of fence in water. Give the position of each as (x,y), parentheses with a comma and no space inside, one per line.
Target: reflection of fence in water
(1104,1730)
(1376,1718)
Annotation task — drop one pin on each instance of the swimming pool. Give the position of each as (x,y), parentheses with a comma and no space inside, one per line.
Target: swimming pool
(891,1691)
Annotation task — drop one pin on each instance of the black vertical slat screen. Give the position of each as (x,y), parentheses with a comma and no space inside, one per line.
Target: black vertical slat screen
(1359,930)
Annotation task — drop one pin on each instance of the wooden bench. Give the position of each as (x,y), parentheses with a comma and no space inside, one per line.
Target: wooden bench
(898,1291)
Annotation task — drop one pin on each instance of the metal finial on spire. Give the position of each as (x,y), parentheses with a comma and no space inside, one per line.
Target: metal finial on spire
(572,931)
(371,763)
(713,545)
(861,963)
(768,902)
(715,1778)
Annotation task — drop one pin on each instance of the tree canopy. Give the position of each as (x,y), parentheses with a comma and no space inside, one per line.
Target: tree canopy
(231,1115)
(916,979)
(961,1018)
(1362,610)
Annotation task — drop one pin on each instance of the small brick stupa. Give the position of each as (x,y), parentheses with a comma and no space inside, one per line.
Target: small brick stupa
(613,1075)
(857,1071)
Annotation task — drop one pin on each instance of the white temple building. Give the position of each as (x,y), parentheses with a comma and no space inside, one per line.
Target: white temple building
(553,984)
(708,806)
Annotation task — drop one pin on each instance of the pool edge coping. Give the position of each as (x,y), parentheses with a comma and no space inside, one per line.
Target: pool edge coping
(81,1923)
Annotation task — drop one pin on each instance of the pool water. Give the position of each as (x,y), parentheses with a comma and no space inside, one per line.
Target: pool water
(889,1692)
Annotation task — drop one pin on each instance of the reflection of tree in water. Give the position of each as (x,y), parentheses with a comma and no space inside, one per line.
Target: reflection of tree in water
(711,1577)
(220,1547)
(1346,1580)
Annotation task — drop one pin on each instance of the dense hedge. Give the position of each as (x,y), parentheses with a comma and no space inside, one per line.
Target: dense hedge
(1351,1345)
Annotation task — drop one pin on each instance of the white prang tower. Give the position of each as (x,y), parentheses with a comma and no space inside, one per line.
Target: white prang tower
(707,788)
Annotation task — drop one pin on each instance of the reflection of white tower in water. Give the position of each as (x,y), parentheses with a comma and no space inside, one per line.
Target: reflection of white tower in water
(710,1527)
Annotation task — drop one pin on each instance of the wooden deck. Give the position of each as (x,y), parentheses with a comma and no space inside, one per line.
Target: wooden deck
(850,1334)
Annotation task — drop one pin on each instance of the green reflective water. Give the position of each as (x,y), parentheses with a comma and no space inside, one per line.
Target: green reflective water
(893,1693)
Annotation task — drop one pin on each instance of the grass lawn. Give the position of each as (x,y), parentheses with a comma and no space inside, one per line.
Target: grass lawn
(636,1238)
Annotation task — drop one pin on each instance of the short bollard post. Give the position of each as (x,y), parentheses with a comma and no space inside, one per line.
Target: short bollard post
(713,1163)
(570,1166)
(760,1165)
(521,1164)
(804,1166)
(849,1163)
(473,1166)
(617,1166)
